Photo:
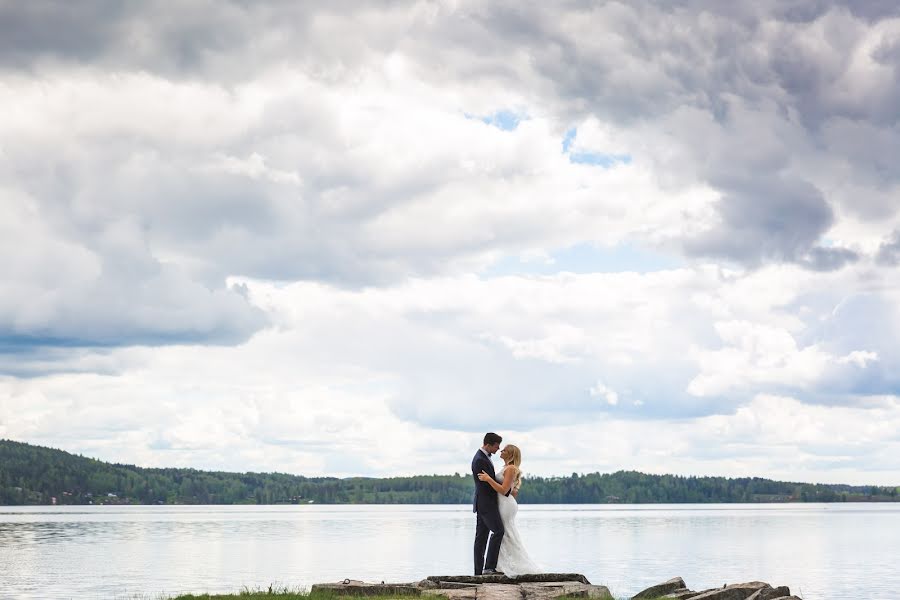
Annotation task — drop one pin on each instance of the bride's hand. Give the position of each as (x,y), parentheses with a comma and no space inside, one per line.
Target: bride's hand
(483,476)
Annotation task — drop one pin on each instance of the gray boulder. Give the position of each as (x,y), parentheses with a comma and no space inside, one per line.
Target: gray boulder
(770,593)
(737,591)
(661,589)
(682,594)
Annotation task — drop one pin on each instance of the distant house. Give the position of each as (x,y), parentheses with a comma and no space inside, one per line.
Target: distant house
(111,495)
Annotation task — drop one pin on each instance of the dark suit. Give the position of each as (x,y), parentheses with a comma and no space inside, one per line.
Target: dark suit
(488,520)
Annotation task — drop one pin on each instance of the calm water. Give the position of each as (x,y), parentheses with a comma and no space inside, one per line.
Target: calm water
(821,550)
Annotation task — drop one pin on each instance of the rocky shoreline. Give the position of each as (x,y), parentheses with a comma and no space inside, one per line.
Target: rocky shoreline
(547,586)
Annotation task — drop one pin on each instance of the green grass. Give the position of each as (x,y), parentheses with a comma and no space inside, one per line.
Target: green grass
(282,593)
(286,593)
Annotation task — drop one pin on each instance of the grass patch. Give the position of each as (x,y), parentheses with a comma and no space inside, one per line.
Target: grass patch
(282,593)
(286,593)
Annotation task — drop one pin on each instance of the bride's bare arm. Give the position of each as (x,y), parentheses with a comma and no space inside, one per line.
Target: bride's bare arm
(509,475)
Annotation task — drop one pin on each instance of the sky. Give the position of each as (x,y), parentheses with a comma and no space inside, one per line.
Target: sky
(349,238)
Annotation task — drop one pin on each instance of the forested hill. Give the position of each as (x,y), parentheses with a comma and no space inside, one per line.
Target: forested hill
(36,475)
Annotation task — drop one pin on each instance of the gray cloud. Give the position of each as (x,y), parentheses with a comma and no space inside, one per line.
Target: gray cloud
(154,310)
(226,41)
(766,220)
(36,30)
(889,251)
(769,64)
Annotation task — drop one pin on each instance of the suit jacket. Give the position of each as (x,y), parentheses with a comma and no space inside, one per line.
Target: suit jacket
(485,497)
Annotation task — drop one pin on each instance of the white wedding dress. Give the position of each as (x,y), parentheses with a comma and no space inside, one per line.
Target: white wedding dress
(513,559)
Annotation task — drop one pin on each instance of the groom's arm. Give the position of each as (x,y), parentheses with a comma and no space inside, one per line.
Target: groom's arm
(509,476)
(481,464)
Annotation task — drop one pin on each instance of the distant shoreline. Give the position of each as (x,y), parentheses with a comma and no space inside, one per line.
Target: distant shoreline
(464,504)
(36,476)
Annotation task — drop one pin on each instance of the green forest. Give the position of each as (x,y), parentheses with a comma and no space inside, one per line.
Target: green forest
(34,475)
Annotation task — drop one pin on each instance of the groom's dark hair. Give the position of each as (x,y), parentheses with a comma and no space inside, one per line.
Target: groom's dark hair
(492,438)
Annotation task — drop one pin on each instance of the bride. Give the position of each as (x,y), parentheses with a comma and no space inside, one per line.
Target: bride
(514,559)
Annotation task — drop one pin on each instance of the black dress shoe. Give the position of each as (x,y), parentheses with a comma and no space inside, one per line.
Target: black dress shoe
(492,572)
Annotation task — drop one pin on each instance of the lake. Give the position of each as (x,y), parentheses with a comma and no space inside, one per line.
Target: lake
(819,550)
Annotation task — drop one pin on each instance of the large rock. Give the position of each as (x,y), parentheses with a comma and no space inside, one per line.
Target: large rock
(682,594)
(737,591)
(661,589)
(770,593)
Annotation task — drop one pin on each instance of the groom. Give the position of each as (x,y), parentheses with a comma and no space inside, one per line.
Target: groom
(485,506)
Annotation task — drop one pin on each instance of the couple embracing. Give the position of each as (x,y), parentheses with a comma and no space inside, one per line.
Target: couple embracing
(496,507)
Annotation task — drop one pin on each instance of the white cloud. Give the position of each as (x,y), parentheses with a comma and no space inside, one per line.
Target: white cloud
(754,355)
(859,358)
(263,237)
(601,390)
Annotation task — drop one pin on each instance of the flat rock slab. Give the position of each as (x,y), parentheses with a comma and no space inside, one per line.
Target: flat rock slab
(571,589)
(533,578)
(468,593)
(498,591)
(521,591)
(544,586)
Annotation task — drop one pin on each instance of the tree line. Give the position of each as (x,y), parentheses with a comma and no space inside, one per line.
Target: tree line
(36,475)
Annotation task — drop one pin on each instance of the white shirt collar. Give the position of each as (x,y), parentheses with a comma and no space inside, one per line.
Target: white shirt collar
(485,453)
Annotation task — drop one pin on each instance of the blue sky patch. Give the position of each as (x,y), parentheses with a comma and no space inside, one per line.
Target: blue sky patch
(599,159)
(506,120)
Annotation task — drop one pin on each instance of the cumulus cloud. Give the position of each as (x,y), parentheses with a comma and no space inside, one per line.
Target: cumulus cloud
(340,187)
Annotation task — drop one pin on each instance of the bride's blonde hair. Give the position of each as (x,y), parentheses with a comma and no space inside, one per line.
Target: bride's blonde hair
(515,459)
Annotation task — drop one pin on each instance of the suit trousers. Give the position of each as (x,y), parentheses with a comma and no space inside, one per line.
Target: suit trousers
(488,522)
